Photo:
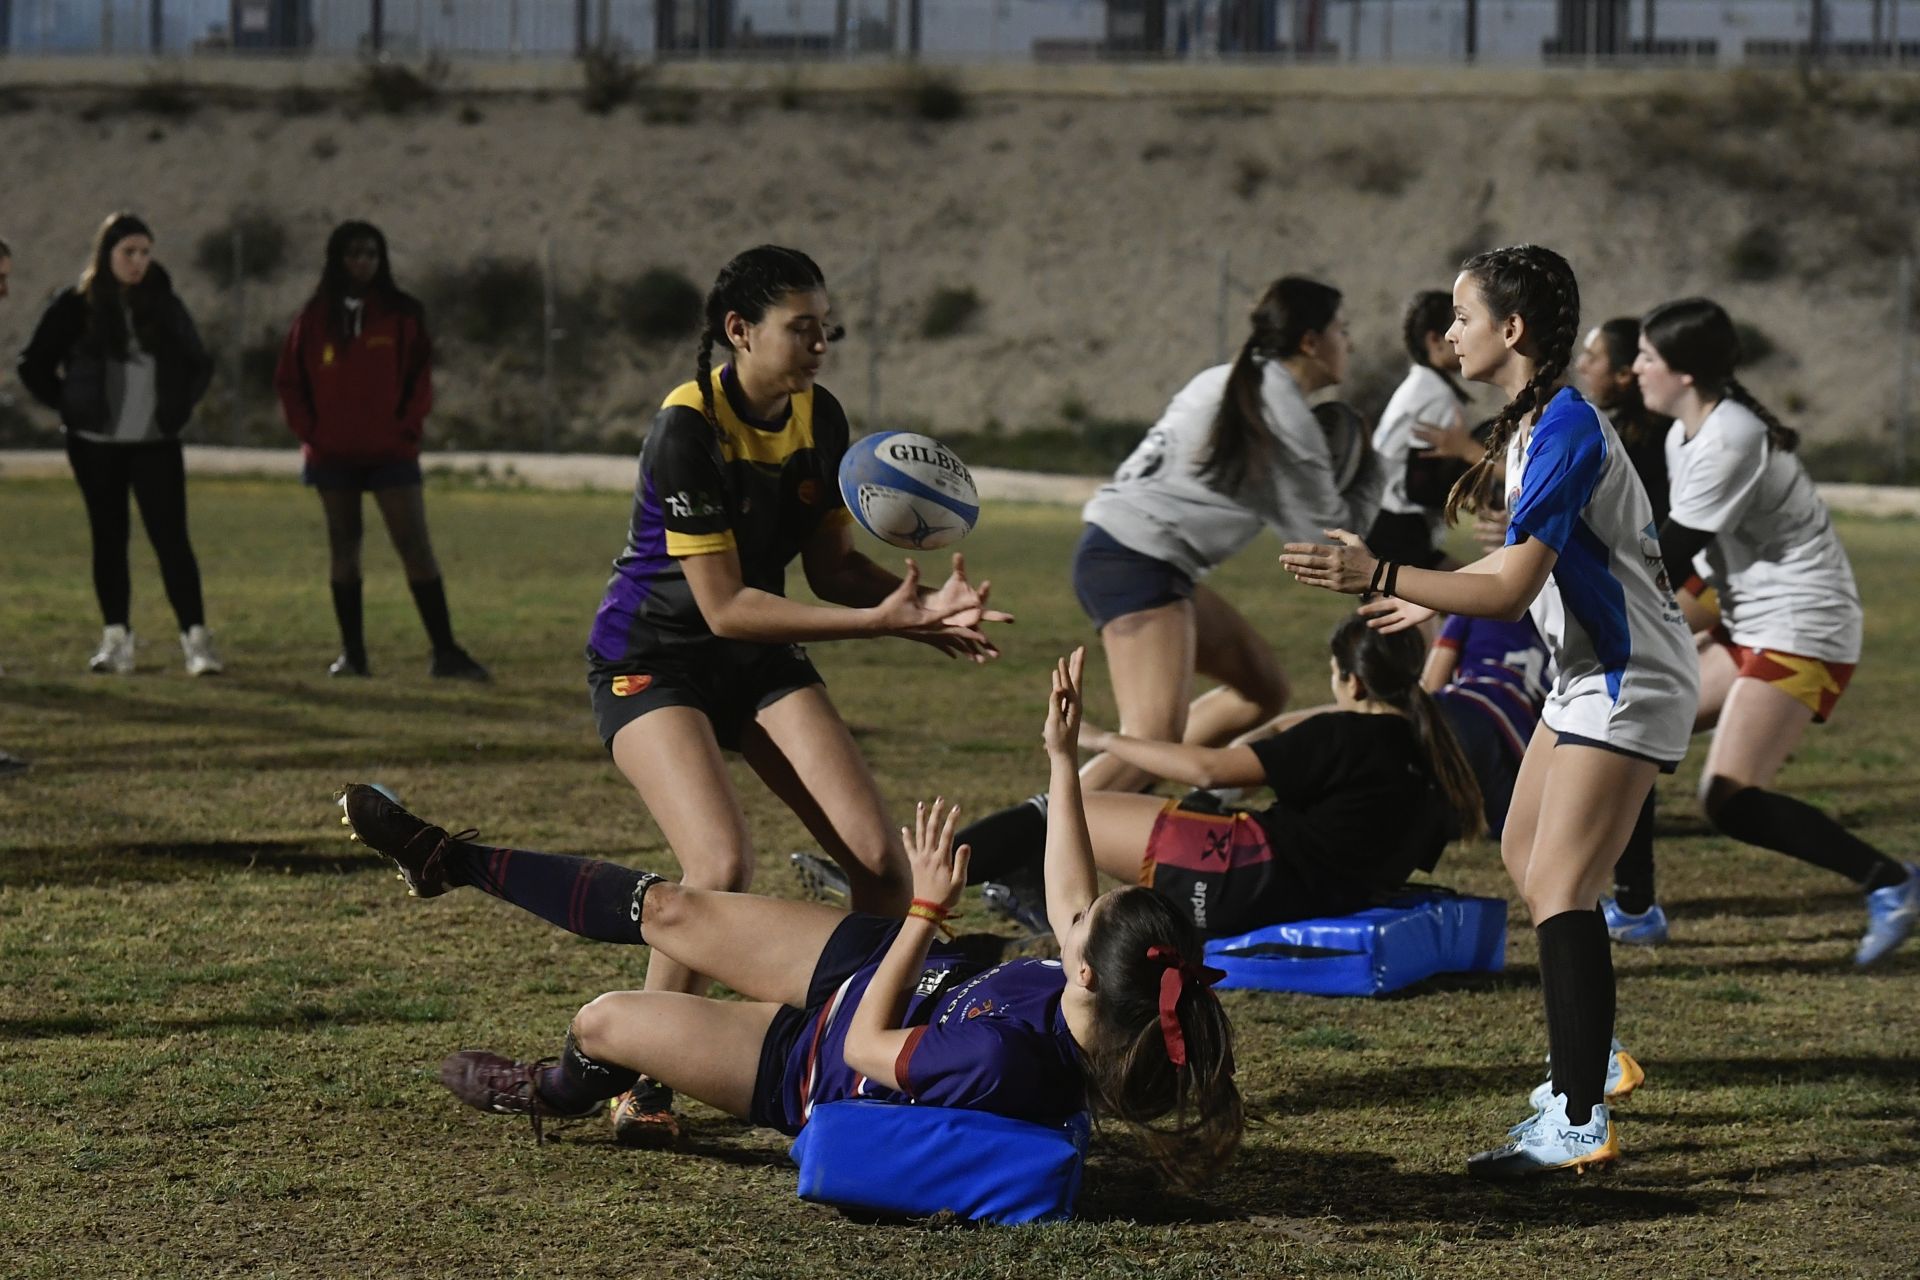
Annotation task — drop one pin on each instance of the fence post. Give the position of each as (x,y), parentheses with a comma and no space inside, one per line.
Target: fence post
(236,363)
(1903,355)
(549,321)
(876,327)
(156,26)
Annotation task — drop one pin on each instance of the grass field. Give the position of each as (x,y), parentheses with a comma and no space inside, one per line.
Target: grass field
(219,1021)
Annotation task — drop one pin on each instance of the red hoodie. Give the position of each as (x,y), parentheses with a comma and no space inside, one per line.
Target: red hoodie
(364,399)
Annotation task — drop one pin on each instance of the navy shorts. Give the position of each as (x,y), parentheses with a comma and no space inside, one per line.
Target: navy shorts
(1489,754)
(1575,740)
(360,477)
(1113,580)
(728,683)
(858,941)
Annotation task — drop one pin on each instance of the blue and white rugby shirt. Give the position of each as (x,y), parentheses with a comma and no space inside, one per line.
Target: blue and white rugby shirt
(1625,670)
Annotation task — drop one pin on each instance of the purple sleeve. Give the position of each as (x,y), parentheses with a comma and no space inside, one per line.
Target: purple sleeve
(1563,465)
(1453,632)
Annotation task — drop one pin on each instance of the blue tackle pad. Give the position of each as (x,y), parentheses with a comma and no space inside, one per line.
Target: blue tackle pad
(915,1161)
(1371,952)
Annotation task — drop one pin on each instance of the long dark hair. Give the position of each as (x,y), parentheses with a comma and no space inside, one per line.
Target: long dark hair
(1388,668)
(1537,285)
(1696,336)
(108,304)
(749,284)
(1242,444)
(1189,1116)
(1636,423)
(336,286)
(1430,312)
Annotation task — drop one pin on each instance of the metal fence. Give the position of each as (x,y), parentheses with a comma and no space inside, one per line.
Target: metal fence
(1709,32)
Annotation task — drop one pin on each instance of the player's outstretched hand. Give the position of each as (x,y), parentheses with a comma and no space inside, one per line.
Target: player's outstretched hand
(1062,733)
(949,619)
(1390,614)
(939,869)
(1345,565)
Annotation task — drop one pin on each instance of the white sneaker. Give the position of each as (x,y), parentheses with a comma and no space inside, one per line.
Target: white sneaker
(197,643)
(116,653)
(1550,1143)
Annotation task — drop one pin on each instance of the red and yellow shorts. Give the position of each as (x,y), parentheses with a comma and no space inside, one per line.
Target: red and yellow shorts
(1218,867)
(1812,681)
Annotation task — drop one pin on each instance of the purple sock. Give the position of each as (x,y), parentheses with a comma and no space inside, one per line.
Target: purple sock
(584,896)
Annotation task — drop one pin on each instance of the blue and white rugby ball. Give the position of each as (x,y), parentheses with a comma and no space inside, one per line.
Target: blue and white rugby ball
(908,490)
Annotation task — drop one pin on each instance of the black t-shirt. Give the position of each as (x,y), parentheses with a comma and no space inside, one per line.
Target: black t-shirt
(760,488)
(1357,809)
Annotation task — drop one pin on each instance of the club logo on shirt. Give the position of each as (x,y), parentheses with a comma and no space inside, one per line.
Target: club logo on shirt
(689,506)
(930,980)
(627,686)
(975,1010)
(326,354)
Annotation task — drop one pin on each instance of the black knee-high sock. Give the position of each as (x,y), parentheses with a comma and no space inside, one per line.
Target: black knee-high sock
(576,1082)
(1007,843)
(584,896)
(431,599)
(1633,874)
(346,611)
(1799,830)
(1576,976)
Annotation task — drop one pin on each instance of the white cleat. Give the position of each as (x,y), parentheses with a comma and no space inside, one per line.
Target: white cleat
(115,656)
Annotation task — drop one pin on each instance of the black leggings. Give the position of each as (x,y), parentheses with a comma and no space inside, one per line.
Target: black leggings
(156,473)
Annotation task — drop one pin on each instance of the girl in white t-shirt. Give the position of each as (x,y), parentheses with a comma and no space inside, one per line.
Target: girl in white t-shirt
(1237,450)
(1746,519)
(1582,557)
(1409,525)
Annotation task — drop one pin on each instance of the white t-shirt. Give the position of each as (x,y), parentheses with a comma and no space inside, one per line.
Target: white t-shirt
(1158,505)
(1782,576)
(1423,396)
(1625,673)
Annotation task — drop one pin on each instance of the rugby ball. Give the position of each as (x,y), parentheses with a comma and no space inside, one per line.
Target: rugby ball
(908,490)
(1347,439)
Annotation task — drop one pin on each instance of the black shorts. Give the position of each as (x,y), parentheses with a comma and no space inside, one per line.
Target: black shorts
(858,941)
(1223,872)
(1404,538)
(729,684)
(1575,740)
(361,477)
(1113,580)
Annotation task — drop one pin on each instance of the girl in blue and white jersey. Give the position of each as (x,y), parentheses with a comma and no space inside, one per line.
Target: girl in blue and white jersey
(1583,557)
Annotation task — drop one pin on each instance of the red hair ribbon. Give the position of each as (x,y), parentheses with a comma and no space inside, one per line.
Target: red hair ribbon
(1179,972)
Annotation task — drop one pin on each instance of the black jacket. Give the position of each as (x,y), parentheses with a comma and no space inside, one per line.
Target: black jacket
(65,363)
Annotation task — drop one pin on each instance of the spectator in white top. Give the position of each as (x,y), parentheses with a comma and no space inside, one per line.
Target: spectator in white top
(1411,520)
(1237,449)
(1746,519)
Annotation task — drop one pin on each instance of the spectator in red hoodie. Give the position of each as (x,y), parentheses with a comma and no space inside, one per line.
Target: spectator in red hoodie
(355,382)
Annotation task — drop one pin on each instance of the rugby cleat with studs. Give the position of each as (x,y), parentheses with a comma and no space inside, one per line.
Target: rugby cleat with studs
(820,878)
(1624,1075)
(416,847)
(643,1116)
(1550,1143)
(504,1086)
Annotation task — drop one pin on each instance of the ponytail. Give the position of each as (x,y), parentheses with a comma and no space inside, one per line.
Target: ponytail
(1388,668)
(1187,1114)
(1242,444)
(1695,336)
(1537,285)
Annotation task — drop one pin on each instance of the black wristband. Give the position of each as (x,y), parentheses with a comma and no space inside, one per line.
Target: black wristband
(1373,583)
(1393,577)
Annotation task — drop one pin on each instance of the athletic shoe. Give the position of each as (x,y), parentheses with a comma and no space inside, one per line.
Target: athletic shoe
(643,1116)
(197,643)
(347,665)
(1648,929)
(457,664)
(1550,1143)
(1023,902)
(504,1086)
(820,878)
(11,764)
(418,848)
(1624,1075)
(115,656)
(1891,915)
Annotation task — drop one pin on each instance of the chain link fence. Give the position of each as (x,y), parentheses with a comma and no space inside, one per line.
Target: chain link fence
(1542,32)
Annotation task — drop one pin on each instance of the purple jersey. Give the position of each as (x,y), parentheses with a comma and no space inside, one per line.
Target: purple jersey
(989,1040)
(1502,673)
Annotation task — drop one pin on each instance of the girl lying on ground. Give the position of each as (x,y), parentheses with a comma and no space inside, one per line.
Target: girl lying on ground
(843,1005)
(1320,849)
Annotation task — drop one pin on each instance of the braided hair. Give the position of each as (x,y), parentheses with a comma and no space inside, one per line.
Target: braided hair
(1695,336)
(1242,444)
(1430,312)
(749,284)
(1537,285)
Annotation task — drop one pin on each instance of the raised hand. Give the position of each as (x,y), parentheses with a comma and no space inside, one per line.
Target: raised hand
(1062,731)
(1345,566)
(939,869)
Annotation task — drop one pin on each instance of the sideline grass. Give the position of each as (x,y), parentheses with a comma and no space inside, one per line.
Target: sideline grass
(219,1022)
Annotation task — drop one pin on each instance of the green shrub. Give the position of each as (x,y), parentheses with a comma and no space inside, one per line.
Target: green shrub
(300,100)
(263,246)
(396,89)
(610,80)
(1755,345)
(1756,254)
(1380,170)
(934,98)
(170,99)
(490,301)
(949,311)
(659,305)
